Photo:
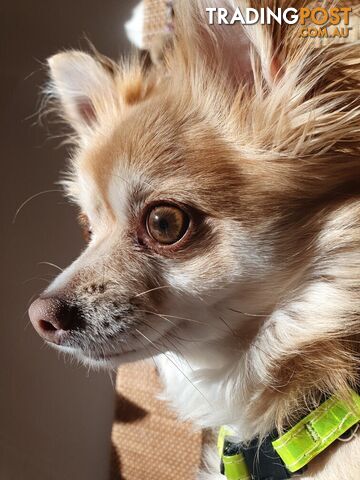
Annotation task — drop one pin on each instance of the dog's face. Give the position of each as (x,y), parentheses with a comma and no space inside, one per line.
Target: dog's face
(199,213)
(170,240)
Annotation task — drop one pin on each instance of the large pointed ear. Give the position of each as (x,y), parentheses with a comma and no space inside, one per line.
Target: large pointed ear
(204,29)
(84,86)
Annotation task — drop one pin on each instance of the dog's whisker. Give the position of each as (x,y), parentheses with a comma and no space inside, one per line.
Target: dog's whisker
(228,326)
(189,340)
(173,316)
(175,365)
(166,337)
(151,290)
(27,325)
(259,315)
(32,298)
(158,315)
(167,318)
(51,265)
(32,279)
(148,351)
(28,200)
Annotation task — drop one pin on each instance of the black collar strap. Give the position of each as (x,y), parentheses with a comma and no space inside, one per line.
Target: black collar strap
(262,462)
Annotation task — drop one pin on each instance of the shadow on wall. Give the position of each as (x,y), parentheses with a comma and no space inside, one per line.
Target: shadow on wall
(55,418)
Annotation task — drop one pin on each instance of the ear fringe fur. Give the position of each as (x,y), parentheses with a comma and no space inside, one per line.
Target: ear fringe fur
(312,106)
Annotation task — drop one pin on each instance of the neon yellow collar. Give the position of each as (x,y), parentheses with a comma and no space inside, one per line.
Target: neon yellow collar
(295,449)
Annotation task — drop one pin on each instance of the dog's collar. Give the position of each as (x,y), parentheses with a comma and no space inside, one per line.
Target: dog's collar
(281,457)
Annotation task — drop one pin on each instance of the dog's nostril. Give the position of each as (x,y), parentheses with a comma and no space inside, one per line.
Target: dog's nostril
(47,326)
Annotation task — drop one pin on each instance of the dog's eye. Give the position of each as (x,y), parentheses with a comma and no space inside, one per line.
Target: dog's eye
(167,224)
(85,227)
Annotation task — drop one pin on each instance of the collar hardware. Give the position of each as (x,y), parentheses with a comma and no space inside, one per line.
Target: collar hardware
(287,456)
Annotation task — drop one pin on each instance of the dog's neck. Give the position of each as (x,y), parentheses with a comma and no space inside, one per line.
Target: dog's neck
(252,390)
(217,395)
(256,388)
(286,364)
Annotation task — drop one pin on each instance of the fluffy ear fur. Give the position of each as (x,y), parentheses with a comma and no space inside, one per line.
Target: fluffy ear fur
(229,48)
(85,87)
(93,91)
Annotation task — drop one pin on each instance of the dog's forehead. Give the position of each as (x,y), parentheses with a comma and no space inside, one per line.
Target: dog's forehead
(154,149)
(144,141)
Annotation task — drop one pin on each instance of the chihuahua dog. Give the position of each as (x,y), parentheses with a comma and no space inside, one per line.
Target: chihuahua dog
(219,195)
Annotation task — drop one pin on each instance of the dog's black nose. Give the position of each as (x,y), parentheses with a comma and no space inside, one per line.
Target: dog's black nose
(52,317)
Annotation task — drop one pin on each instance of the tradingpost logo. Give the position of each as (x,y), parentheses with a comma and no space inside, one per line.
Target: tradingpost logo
(313,22)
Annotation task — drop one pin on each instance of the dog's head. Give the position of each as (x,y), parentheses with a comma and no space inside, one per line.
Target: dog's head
(204,187)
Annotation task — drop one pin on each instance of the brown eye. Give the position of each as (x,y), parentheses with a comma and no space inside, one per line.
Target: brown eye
(85,227)
(167,224)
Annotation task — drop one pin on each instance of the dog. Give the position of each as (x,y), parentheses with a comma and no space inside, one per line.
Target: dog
(218,192)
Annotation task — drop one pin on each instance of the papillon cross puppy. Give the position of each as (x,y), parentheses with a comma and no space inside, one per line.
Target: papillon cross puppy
(220,195)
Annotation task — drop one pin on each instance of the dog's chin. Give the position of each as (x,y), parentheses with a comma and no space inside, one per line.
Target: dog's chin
(106,361)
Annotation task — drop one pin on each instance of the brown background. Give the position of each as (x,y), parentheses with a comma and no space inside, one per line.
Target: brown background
(55,420)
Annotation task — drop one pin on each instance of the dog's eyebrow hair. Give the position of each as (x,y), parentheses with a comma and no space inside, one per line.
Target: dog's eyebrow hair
(141,180)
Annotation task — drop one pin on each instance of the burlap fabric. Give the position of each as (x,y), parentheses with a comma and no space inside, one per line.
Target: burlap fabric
(149,443)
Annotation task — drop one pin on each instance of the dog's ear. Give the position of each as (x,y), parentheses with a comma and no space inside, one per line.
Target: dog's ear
(84,86)
(242,51)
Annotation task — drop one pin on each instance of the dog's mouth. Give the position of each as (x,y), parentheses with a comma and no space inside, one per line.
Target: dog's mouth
(137,345)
